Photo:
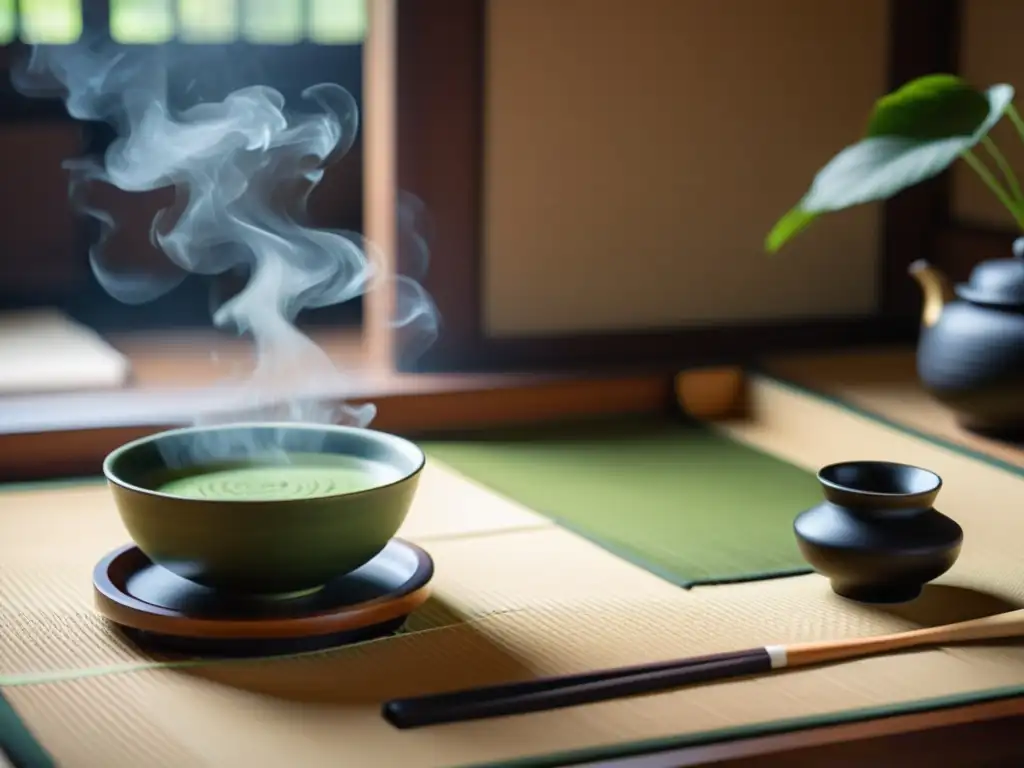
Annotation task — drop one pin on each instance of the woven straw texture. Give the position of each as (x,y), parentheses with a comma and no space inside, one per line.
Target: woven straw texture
(515,596)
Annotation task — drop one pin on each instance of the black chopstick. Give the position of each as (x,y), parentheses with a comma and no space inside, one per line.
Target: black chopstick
(571,690)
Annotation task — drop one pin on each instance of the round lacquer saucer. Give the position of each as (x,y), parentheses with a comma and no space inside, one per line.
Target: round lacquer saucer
(164,612)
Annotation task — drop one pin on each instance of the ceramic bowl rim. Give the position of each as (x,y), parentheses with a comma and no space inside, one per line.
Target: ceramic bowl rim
(934,488)
(403,444)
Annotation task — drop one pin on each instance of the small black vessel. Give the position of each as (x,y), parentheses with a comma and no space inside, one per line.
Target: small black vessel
(877,536)
(970,355)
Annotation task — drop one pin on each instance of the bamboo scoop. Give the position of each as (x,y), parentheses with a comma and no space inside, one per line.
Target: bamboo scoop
(571,690)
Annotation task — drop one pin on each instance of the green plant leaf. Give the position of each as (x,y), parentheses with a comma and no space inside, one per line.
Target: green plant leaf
(876,169)
(896,157)
(931,107)
(788,227)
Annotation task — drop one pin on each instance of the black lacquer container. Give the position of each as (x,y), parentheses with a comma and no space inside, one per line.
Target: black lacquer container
(877,536)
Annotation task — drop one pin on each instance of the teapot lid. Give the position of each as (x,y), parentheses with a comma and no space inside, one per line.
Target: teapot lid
(999,282)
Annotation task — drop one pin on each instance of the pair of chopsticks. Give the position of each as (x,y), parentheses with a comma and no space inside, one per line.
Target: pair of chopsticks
(548,693)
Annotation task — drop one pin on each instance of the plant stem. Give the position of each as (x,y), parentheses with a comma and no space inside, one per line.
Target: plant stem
(992,183)
(1004,168)
(1016,120)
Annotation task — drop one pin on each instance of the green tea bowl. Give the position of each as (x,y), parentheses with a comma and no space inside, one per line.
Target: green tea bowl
(264,509)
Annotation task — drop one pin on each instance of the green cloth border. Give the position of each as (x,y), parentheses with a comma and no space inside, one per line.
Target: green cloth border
(24,486)
(671,578)
(838,402)
(769,728)
(17,743)
(23,750)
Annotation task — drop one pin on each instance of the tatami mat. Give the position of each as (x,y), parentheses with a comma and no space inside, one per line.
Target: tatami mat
(886,385)
(324,709)
(50,629)
(521,598)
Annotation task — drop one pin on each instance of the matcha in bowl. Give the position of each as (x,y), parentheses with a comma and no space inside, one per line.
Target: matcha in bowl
(264,509)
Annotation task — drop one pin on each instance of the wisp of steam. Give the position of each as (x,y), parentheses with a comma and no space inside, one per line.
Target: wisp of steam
(242,169)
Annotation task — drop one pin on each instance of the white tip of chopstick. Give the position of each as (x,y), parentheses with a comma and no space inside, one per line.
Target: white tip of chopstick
(778,655)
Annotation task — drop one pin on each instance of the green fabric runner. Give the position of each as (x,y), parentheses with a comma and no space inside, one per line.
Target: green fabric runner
(17,744)
(676,498)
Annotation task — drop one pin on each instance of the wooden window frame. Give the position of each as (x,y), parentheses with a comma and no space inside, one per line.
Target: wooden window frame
(424,64)
(961,246)
(423,94)
(440,158)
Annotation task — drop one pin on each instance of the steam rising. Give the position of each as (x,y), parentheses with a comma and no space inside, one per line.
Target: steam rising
(242,169)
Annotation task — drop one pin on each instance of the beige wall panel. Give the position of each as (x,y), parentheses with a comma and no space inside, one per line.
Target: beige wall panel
(638,152)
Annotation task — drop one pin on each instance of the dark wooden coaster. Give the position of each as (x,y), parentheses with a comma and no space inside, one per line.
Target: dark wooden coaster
(159,610)
(245,647)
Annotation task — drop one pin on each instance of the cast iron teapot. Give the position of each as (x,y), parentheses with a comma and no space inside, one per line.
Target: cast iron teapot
(970,354)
